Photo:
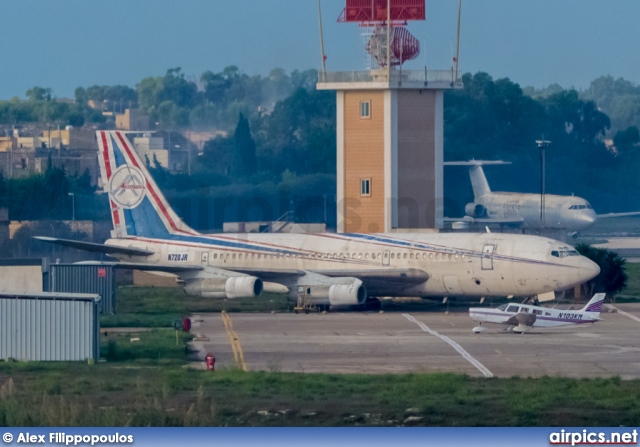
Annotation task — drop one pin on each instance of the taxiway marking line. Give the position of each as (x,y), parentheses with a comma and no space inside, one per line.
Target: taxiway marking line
(453,344)
(235,341)
(633,317)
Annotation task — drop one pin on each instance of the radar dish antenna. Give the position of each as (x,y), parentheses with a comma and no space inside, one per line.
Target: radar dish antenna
(390,43)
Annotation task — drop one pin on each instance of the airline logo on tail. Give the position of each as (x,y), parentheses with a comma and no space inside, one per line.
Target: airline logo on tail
(127,186)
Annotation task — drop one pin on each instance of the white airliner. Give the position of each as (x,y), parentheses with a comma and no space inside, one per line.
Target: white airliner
(523,209)
(524,317)
(324,268)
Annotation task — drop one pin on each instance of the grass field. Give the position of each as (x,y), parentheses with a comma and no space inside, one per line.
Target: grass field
(161,393)
(632,291)
(160,306)
(149,382)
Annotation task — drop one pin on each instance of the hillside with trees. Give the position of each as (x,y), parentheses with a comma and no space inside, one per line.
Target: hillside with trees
(275,142)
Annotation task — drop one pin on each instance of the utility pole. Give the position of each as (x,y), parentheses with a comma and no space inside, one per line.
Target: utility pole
(73,206)
(542,145)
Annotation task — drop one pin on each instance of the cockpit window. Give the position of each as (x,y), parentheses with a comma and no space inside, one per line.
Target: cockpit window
(581,207)
(563,252)
(513,308)
(503,307)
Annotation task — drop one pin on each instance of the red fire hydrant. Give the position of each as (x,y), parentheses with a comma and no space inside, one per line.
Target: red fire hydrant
(210,361)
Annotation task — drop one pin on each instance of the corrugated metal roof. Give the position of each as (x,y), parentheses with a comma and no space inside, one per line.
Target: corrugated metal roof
(50,295)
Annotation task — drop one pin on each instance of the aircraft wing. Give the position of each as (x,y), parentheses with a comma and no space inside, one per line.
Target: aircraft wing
(177,269)
(92,246)
(267,273)
(522,319)
(486,220)
(406,276)
(609,215)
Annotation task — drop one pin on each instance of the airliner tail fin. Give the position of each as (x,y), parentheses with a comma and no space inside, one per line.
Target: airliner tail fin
(138,208)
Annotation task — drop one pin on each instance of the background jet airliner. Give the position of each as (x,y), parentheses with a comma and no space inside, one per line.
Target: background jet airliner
(561,212)
(524,317)
(327,268)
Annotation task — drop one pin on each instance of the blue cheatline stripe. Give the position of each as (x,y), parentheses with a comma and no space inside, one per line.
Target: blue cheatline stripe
(452,250)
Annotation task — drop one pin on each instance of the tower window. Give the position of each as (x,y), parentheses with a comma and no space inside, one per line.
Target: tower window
(365,109)
(365,187)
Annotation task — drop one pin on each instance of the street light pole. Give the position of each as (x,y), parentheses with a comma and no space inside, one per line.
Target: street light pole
(73,206)
(542,144)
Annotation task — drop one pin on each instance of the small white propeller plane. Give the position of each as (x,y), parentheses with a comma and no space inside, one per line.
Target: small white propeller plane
(524,317)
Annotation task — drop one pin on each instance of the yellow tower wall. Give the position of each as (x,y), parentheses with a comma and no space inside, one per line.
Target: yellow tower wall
(363,159)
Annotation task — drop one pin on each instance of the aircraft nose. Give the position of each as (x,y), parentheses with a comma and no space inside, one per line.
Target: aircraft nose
(589,268)
(584,220)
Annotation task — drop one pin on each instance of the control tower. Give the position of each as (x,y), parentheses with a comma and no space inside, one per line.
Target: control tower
(389,125)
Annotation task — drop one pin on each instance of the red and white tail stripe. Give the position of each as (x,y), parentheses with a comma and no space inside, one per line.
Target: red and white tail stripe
(114,147)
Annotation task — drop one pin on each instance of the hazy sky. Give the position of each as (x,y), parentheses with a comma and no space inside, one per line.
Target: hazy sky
(71,43)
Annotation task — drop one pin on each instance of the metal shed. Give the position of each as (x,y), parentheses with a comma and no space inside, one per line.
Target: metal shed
(49,326)
(84,278)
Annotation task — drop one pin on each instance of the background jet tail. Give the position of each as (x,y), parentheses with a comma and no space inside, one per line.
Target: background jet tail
(478,182)
(138,208)
(478,179)
(594,306)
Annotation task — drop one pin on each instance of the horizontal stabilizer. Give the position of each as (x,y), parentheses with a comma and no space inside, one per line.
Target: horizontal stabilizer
(94,247)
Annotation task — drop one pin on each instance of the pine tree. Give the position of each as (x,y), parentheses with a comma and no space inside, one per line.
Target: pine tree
(244,160)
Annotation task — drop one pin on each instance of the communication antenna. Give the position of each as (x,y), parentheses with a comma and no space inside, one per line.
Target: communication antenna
(324,57)
(455,70)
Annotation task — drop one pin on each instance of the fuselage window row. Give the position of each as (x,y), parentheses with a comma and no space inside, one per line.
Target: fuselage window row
(374,256)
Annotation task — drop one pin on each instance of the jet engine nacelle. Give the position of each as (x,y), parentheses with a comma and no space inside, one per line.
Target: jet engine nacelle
(475,210)
(231,287)
(338,294)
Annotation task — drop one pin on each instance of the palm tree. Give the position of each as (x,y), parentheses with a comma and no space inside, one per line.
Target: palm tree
(612,277)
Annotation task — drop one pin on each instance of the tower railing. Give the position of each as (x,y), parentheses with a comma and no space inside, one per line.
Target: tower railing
(412,76)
